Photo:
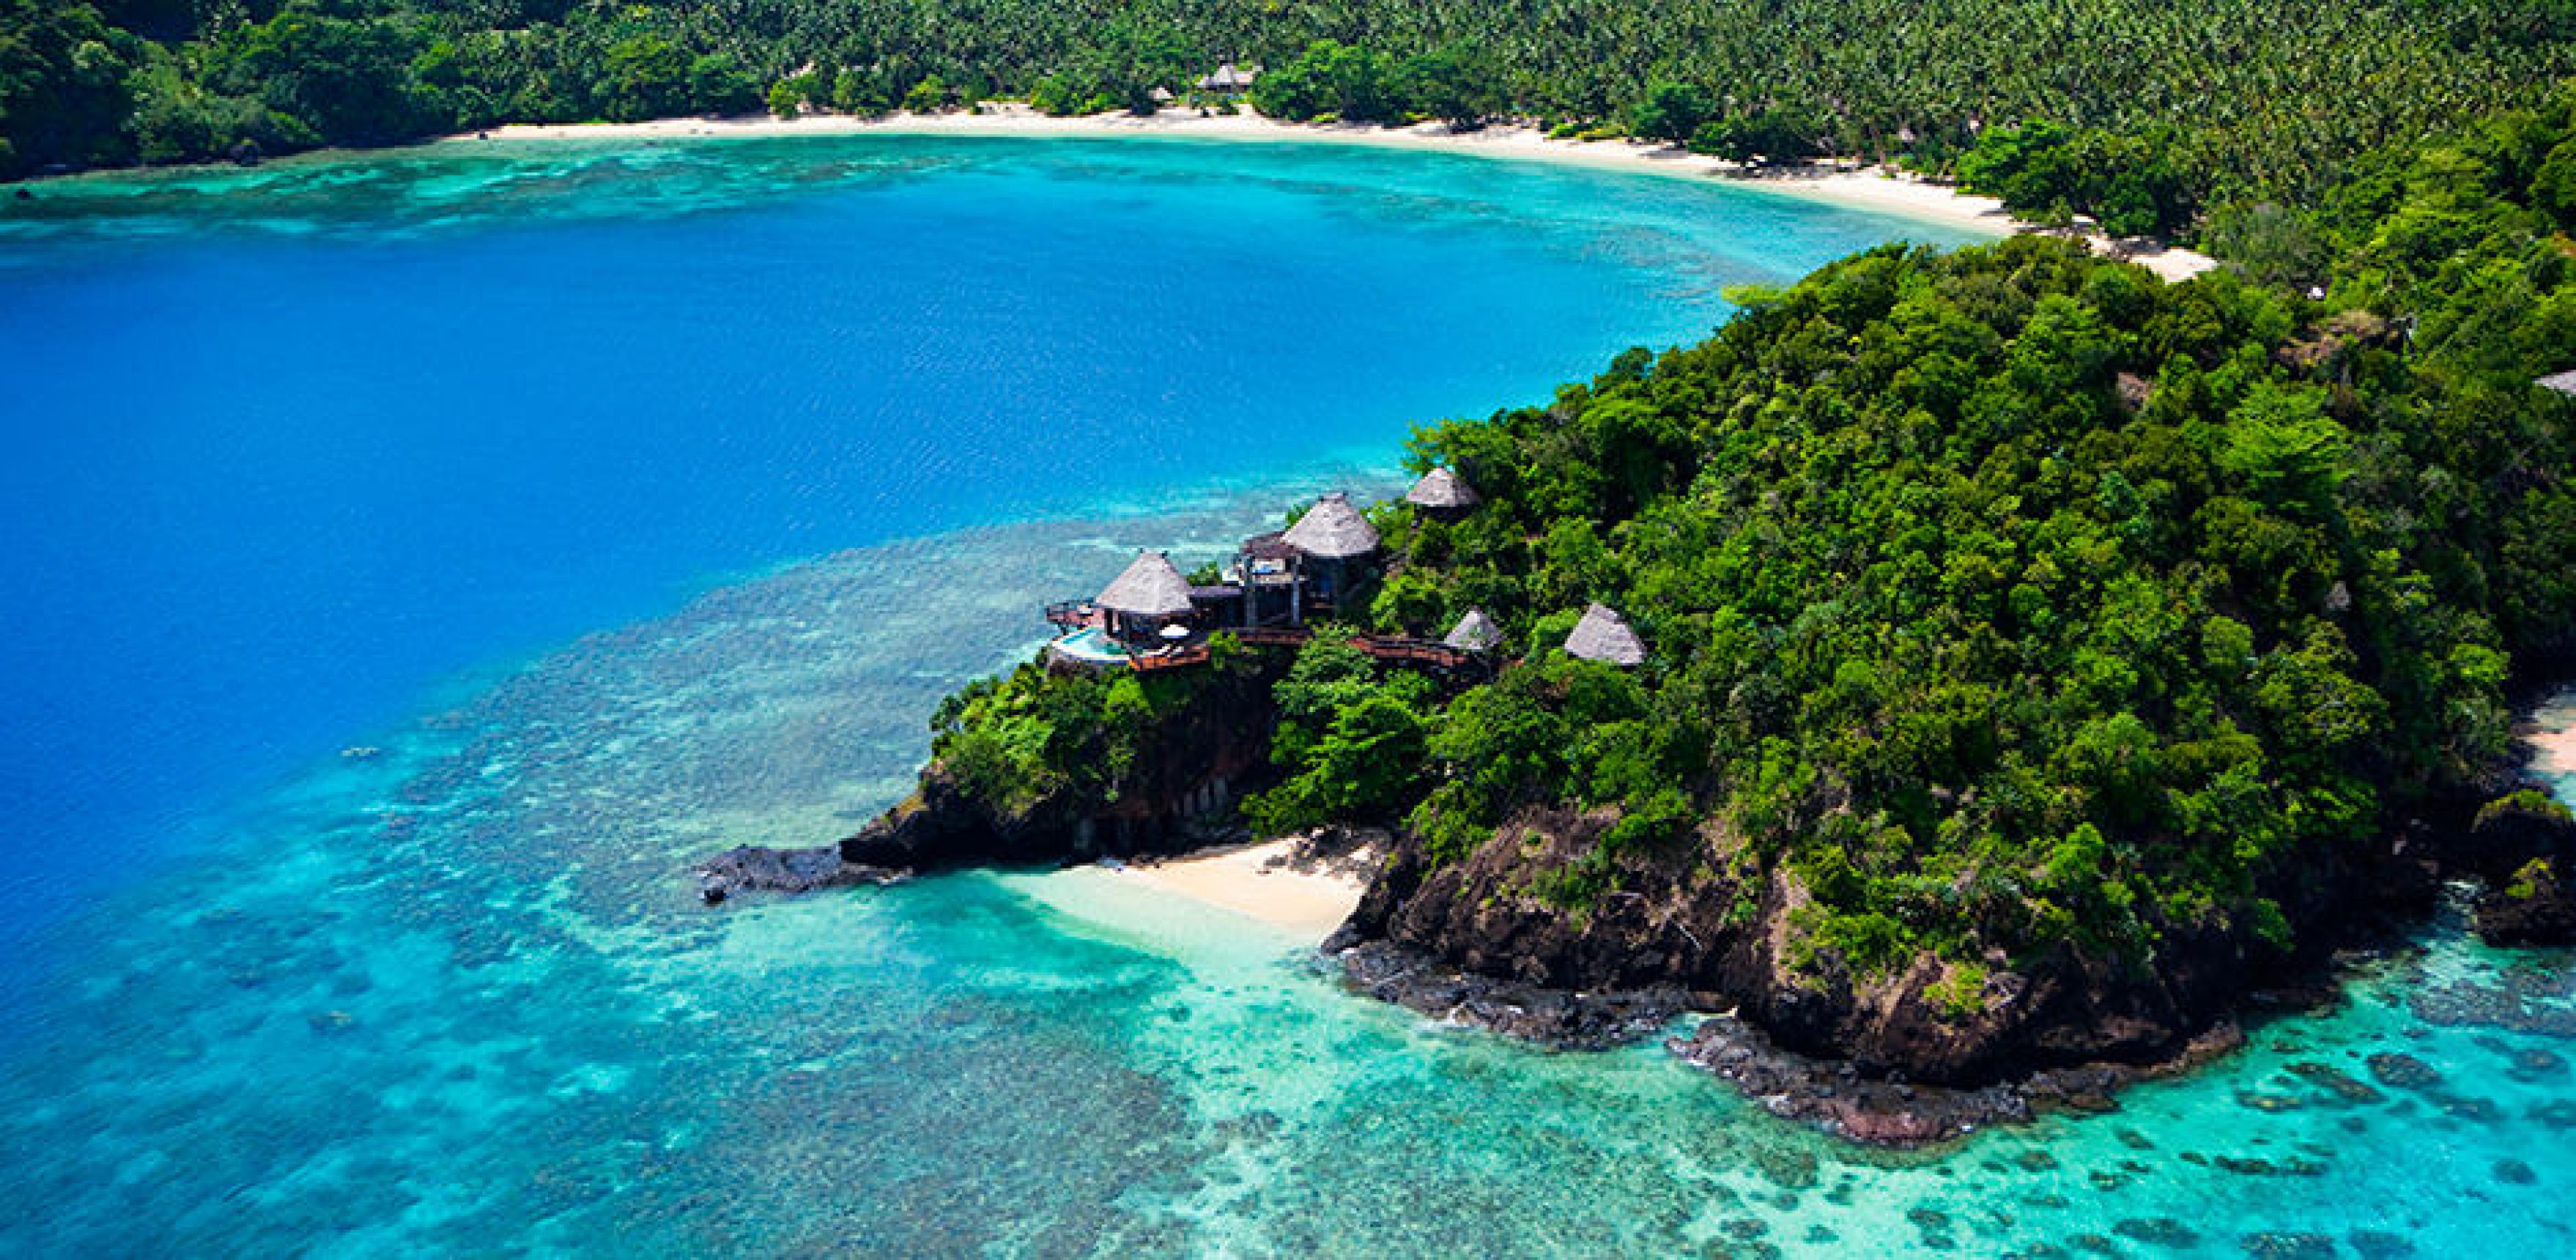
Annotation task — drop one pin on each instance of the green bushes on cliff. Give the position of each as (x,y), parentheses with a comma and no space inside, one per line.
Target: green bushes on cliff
(1014,740)
(1350,738)
(2001,600)
(2010,598)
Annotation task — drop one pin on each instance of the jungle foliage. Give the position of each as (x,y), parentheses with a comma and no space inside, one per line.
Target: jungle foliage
(2171,108)
(2010,599)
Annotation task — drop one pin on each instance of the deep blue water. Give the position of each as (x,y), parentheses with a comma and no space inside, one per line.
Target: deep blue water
(634,503)
(287,448)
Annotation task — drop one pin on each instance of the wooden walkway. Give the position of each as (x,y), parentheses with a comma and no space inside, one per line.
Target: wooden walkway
(1170,658)
(1429,652)
(1077,614)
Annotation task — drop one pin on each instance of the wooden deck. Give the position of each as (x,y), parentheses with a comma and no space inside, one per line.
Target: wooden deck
(1077,614)
(1429,652)
(1170,658)
(1074,614)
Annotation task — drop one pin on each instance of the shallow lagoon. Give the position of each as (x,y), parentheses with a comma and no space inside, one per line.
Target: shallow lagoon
(456,996)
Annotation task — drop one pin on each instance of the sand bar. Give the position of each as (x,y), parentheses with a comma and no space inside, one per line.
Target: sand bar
(1867,188)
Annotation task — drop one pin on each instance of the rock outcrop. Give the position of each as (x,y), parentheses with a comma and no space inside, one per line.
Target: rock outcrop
(1533,935)
(1193,765)
(1702,920)
(2524,846)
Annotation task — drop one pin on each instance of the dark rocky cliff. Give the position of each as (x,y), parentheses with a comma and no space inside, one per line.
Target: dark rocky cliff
(1729,942)
(1697,924)
(1194,763)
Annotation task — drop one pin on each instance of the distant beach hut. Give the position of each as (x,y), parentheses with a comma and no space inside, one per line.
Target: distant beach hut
(1604,635)
(1228,80)
(1151,594)
(1443,494)
(2562,382)
(1160,96)
(1475,632)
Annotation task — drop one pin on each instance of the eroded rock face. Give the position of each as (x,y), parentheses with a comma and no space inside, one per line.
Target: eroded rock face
(2525,845)
(1561,1019)
(1674,924)
(751,868)
(2534,908)
(1529,936)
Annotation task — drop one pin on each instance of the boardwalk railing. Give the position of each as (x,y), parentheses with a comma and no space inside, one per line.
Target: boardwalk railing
(1271,636)
(1430,652)
(1412,651)
(1171,658)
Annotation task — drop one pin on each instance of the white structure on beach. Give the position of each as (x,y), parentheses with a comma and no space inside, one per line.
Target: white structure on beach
(1227,80)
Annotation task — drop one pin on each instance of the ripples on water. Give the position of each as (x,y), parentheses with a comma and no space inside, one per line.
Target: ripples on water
(457,997)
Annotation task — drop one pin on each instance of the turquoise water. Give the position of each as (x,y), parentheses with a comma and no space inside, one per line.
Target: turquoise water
(454,996)
(287,449)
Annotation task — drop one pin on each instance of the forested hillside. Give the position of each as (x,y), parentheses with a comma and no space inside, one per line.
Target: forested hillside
(2018,600)
(2017,624)
(2157,110)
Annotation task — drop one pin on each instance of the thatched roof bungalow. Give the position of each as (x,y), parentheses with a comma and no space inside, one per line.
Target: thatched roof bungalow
(1332,530)
(1604,635)
(1228,79)
(1148,595)
(1475,632)
(1443,493)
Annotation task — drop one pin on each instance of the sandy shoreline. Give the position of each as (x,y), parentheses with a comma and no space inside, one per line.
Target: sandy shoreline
(1872,188)
(1309,904)
(2552,737)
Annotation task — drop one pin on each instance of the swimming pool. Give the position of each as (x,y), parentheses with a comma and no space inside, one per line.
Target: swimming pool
(1090,647)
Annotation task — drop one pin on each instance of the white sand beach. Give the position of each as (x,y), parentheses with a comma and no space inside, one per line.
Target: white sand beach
(2553,737)
(1240,879)
(1867,188)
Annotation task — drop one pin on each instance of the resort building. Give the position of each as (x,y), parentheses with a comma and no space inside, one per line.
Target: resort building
(1151,617)
(1290,576)
(1149,597)
(1443,495)
(1475,632)
(1604,635)
(1227,80)
(2562,382)
(1334,547)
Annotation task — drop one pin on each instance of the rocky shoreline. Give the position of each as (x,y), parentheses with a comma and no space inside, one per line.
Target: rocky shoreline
(1879,1060)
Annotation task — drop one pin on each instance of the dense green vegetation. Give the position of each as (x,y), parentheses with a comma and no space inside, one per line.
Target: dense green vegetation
(2152,111)
(2010,598)
(1014,740)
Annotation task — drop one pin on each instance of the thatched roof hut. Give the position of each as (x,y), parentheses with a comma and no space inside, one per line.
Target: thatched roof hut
(1332,530)
(1604,635)
(1475,632)
(1443,491)
(1228,78)
(1151,587)
(2563,382)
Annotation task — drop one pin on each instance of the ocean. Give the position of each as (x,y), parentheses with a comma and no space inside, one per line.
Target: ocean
(418,559)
